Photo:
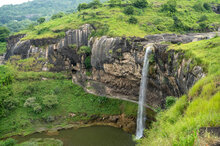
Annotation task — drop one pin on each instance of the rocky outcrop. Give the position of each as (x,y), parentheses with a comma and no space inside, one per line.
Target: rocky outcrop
(117,62)
(58,52)
(117,65)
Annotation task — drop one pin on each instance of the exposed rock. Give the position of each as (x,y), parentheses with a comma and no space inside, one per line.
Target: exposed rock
(117,62)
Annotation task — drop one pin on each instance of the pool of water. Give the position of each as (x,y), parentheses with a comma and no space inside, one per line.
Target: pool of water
(88,136)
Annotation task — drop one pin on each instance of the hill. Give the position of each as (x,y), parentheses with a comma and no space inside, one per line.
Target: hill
(17,17)
(189,16)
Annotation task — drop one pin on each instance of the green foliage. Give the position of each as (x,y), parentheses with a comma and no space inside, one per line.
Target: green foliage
(203,18)
(170,101)
(140,3)
(58,15)
(82,6)
(42,142)
(114,3)
(177,23)
(84,50)
(33,104)
(129,10)
(199,7)
(8,142)
(18,17)
(132,20)
(50,101)
(2,48)
(170,6)
(207,6)
(88,62)
(180,124)
(41,20)
(4,33)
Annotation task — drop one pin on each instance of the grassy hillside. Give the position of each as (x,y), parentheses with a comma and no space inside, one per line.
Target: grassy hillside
(180,124)
(17,17)
(190,16)
(29,100)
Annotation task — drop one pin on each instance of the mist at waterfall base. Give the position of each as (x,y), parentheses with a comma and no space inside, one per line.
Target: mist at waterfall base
(141,117)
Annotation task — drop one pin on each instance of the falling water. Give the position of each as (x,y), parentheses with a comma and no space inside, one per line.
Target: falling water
(141,118)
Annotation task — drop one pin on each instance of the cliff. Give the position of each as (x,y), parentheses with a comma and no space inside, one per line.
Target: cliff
(116,62)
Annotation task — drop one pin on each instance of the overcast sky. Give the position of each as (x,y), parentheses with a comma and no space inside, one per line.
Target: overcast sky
(5,2)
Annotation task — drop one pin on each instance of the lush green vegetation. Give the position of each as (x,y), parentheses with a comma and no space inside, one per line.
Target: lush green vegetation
(157,17)
(29,100)
(4,33)
(180,124)
(17,17)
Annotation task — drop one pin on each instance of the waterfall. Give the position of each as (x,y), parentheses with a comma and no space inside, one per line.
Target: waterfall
(141,117)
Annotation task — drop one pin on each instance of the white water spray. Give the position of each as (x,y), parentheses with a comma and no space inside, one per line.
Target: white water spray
(141,117)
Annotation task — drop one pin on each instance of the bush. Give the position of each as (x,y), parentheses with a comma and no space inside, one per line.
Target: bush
(84,50)
(82,6)
(132,20)
(204,26)
(129,10)
(177,23)
(140,3)
(207,6)
(88,62)
(199,7)
(50,101)
(41,20)
(32,103)
(170,101)
(203,18)
(10,103)
(8,142)
(58,15)
(170,6)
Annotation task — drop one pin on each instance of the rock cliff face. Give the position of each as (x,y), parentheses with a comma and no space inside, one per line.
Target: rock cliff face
(117,62)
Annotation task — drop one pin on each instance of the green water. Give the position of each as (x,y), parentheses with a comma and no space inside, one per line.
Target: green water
(89,136)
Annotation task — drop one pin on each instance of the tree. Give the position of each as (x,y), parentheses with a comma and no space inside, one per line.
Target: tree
(94,4)
(170,6)
(129,10)
(4,33)
(82,6)
(41,20)
(132,20)
(140,3)
(207,6)
(58,15)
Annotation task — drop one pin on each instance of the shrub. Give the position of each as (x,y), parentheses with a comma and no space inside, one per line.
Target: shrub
(129,10)
(132,20)
(41,20)
(140,3)
(82,6)
(88,62)
(10,103)
(199,7)
(8,142)
(58,15)
(50,101)
(170,6)
(177,22)
(32,103)
(207,6)
(94,4)
(203,18)
(113,3)
(204,25)
(170,101)
(84,50)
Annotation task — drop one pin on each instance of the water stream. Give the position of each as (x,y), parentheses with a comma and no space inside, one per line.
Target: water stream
(141,117)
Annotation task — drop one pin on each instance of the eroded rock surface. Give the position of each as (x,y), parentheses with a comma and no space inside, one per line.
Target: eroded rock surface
(117,62)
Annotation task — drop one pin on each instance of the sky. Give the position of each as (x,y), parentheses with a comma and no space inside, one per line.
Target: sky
(5,2)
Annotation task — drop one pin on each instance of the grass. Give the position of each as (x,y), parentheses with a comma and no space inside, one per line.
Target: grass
(150,21)
(206,53)
(180,124)
(71,99)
